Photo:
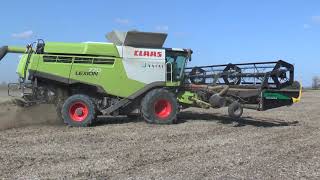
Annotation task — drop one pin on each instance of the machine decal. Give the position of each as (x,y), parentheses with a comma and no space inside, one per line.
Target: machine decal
(90,72)
(86,73)
(95,70)
(144,53)
(144,65)
(152,65)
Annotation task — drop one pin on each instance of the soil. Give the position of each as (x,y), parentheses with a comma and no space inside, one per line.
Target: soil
(283,143)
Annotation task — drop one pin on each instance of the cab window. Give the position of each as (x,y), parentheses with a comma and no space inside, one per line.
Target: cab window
(175,65)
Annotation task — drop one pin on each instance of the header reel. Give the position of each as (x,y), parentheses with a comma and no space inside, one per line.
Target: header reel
(273,75)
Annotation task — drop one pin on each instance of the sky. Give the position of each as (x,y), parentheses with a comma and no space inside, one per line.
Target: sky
(218,31)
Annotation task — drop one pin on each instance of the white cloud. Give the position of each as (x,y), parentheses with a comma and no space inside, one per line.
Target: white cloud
(313,22)
(180,34)
(122,21)
(162,28)
(306,26)
(23,35)
(315,19)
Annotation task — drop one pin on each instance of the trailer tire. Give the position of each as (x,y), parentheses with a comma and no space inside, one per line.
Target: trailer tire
(159,106)
(235,110)
(78,111)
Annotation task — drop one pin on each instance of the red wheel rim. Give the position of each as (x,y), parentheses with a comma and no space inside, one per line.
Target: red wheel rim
(78,111)
(162,108)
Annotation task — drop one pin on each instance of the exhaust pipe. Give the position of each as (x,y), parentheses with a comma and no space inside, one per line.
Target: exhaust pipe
(3,51)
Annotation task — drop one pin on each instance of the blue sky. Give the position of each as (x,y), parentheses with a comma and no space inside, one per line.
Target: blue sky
(218,31)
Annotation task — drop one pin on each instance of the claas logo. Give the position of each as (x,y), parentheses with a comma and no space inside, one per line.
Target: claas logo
(142,53)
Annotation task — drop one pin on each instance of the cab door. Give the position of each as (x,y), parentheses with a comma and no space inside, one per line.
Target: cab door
(175,64)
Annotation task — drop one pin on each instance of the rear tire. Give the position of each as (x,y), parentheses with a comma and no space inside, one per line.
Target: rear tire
(159,106)
(78,111)
(235,110)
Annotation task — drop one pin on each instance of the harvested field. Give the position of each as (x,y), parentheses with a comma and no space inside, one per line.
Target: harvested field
(278,144)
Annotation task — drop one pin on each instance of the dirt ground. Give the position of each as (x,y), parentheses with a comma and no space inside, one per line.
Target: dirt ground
(276,144)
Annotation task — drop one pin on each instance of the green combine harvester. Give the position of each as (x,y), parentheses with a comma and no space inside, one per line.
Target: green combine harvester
(135,75)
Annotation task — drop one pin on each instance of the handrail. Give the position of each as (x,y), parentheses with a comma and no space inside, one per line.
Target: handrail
(171,71)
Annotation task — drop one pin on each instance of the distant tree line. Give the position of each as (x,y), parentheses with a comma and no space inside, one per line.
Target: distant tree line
(316,82)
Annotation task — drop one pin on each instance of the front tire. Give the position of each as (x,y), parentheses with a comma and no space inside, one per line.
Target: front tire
(159,106)
(78,111)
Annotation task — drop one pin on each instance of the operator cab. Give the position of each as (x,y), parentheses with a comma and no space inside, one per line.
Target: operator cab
(176,60)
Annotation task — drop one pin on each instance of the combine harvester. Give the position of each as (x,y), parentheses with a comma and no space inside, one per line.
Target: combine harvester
(136,76)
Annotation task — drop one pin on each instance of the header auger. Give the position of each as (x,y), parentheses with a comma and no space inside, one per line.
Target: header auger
(135,75)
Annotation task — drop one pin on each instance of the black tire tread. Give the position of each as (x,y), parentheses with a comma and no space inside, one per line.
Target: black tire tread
(145,107)
(84,98)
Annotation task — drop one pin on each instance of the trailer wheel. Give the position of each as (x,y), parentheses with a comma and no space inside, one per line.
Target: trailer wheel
(78,111)
(159,106)
(235,110)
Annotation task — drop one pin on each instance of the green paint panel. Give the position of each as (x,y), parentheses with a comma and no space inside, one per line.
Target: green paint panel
(186,97)
(55,68)
(21,65)
(33,63)
(273,95)
(172,84)
(112,78)
(98,49)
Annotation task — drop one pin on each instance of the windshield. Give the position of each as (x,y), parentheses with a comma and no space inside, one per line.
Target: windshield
(176,62)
